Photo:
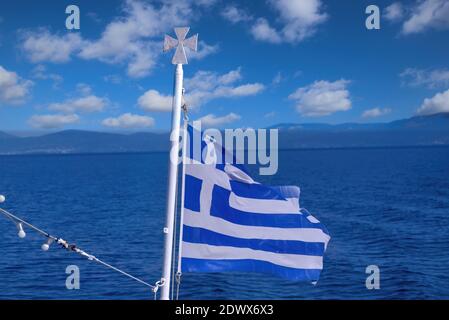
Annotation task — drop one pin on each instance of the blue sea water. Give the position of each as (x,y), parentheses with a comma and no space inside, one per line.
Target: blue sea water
(384,207)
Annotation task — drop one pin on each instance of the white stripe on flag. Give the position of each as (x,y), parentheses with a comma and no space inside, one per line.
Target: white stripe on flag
(210,174)
(205,251)
(197,220)
(290,205)
(237,174)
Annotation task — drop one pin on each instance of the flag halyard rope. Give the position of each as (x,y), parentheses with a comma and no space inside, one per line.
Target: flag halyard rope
(178,273)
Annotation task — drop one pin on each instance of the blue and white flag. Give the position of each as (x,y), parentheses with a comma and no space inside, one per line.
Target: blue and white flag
(232,223)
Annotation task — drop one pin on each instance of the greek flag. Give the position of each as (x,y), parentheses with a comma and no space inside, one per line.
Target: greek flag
(232,223)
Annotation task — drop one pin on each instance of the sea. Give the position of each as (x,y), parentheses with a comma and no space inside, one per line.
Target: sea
(384,207)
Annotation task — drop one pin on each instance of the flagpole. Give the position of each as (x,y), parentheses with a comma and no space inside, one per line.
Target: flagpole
(178,59)
(172,183)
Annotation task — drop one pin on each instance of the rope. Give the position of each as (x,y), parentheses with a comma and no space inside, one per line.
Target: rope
(73,248)
(181,218)
(181,214)
(174,246)
(157,285)
(178,283)
(184,106)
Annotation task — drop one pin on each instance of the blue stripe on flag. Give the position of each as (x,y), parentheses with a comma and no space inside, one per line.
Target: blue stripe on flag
(200,235)
(220,208)
(248,265)
(192,197)
(254,191)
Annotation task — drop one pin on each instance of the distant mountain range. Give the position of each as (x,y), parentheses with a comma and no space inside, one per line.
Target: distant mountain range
(77,141)
(415,131)
(439,121)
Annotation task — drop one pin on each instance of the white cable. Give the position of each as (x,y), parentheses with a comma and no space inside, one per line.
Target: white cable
(73,248)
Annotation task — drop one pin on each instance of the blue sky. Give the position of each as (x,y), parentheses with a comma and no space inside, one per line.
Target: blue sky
(259,63)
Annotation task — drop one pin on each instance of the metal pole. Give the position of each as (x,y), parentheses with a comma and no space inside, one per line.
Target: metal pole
(172,183)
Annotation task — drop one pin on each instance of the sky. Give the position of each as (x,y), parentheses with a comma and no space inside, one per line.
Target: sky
(258,63)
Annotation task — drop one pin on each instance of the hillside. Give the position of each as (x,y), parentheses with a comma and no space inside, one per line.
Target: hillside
(415,131)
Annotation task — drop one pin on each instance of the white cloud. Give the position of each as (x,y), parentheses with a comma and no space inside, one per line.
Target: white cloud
(87,104)
(235,15)
(297,74)
(278,78)
(270,114)
(204,50)
(129,121)
(94,17)
(152,100)
(228,78)
(244,90)
(211,120)
(299,19)
(84,89)
(375,112)
(427,14)
(208,80)
(113,78)
(42,46)
(322,98)
(40,72)
(430,78)
(204,86)
(438,103)
(52,121)
(262,31)
(133,39)
(13,89)
(205,3)
(394,12)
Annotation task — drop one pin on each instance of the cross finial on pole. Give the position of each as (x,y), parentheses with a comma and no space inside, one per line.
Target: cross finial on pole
(181,42)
